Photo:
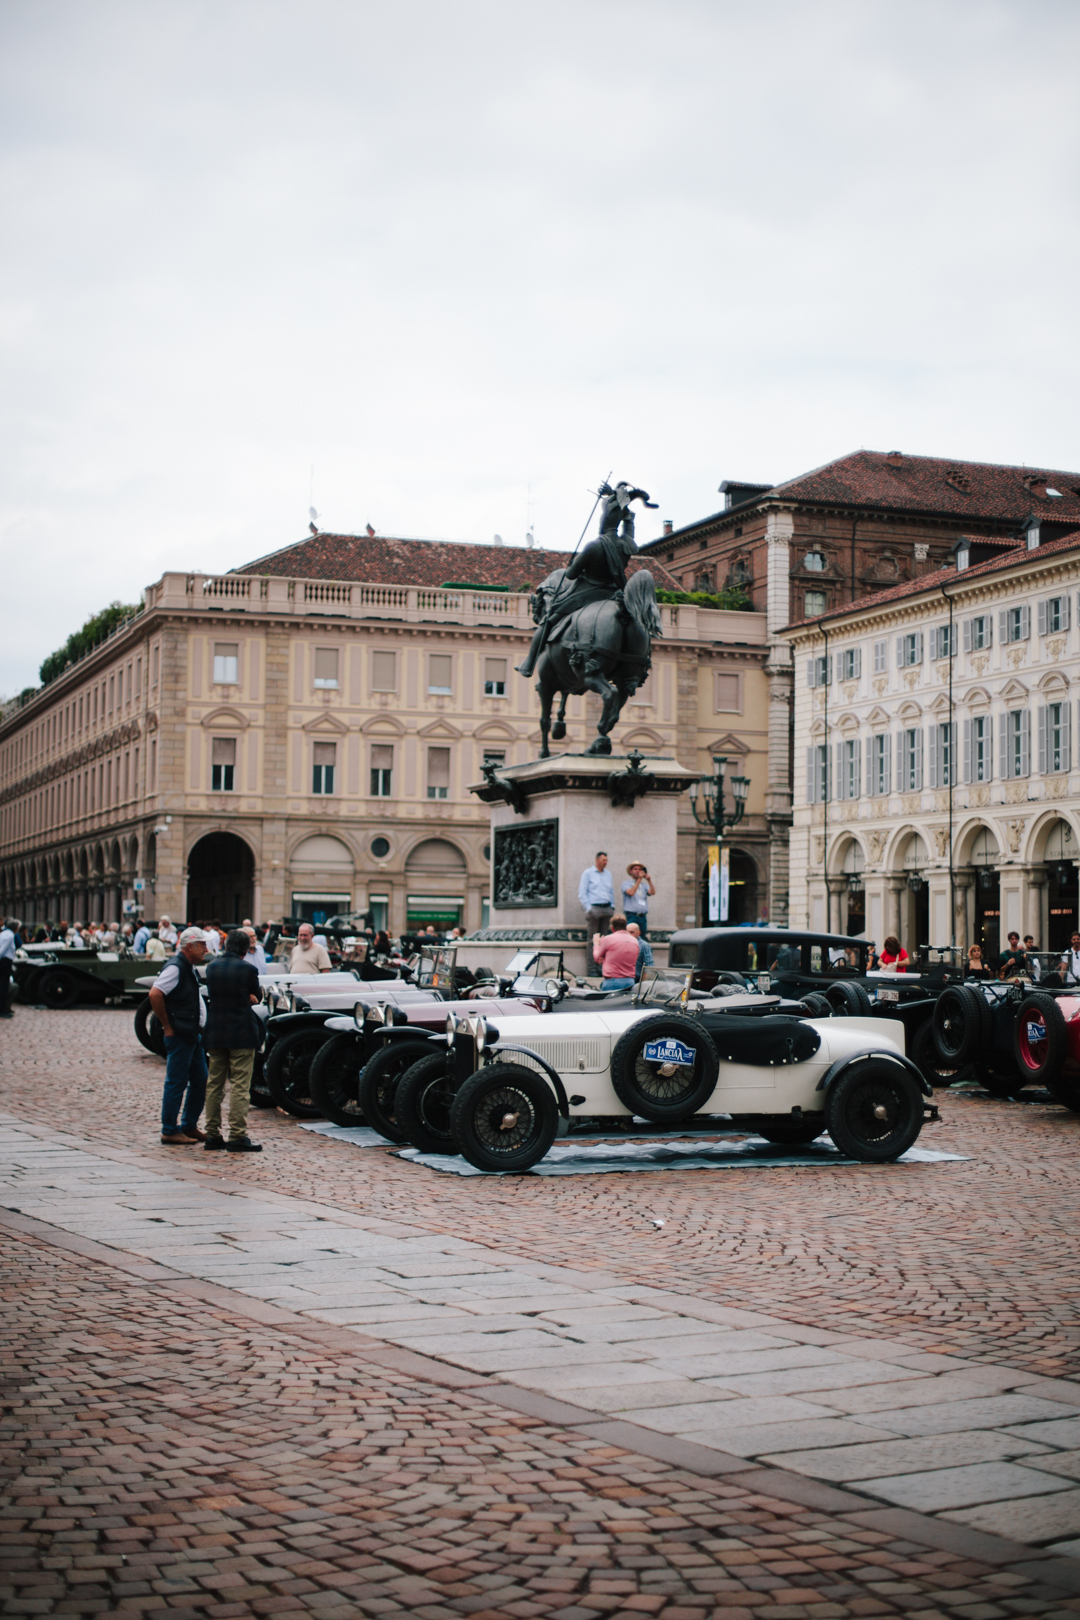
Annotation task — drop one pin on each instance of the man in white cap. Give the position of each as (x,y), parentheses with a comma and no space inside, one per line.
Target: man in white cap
(181,1012)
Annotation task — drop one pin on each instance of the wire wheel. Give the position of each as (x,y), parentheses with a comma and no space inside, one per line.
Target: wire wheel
(288,1072)
(504,1118)
(665,1068)
(874,1111)
(335,1079)
(422,1105)
(379,1080)
(961,1024)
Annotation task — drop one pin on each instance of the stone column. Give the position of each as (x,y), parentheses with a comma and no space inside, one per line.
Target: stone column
(964,913)
(896,886)
(1033,902)
(778,670)
(836,887)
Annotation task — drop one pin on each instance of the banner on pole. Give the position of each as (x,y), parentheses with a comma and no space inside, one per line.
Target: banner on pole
(725,883)
(714,883)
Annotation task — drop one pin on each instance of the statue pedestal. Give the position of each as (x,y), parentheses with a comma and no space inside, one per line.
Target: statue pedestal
(560,813)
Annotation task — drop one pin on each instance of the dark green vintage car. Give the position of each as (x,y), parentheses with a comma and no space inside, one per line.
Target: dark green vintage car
(64,975)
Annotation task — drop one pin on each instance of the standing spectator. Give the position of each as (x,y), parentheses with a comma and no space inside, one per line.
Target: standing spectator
(155,949)
(644,949)
(7,958)
(181,1012)
(1013,963)
(893,957)
(596,894)
(307,957)
(142,935)
(230,1038)
(976,967)
(381,950)
(1070,962)
(256,956)
(637,886)
(166,932)
(617,954)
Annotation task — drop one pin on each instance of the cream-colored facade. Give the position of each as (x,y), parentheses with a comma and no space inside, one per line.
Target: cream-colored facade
(952,806)
(332,729)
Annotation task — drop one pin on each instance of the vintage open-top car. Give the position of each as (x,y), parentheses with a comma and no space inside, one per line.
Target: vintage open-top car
(500,1097)
(1022,1031)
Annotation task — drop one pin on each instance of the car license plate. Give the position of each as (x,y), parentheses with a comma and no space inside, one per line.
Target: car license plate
(1036,1032)
(670,1051)
(888,995)
(764,983)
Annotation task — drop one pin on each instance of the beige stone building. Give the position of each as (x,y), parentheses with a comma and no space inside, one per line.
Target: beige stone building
(300,737)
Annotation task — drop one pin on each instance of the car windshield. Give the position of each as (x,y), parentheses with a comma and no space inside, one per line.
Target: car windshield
(834,961)
(663,987)
(435,968)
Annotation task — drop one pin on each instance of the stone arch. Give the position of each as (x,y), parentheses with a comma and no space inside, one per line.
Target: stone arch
(318,851)
(971,842)
(1041,845)
(220,877)
(842,844)
(436,874)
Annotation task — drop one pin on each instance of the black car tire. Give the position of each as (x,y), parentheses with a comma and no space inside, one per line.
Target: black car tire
(490,1097)
(58,989)
(848,1000)
(148,1029)
(643,1087)
(260,1091)
(422,1104)
(816,1005)
(335,1079)
(962,1028)
(785,1133)
(379,1082)
(1066,1092)
(288,1071)
(1042,1060)
(850,1111)
(935,1070)
(1003,1083)
(28,985)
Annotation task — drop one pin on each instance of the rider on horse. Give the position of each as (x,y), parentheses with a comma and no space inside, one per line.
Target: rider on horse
(598,573)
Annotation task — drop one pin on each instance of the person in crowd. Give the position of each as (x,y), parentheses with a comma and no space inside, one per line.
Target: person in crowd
(1070,962)
(1013,963)
(74,934)
(231,1038)
(894,956)
(457,933)
(644,949)
(976,967)
(156,950)
(255,955)
(7,962)
(872,958)
(142,934)
(1035,967)
(382,950)
(617,954)
(307,956)
(596,894)
(41,935)
(166,931)
(59,934)
(88,938)
(181,1012)
(637,886)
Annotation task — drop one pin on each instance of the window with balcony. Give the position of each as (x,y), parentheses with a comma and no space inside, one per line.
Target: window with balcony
(323,760)
(226,663)
(222,764)
(326,668)
(440,676)
(382,769)
(438,772)
(384,672)
(494,677)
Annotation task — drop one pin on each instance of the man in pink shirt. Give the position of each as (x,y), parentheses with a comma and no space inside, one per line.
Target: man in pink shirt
(617,954)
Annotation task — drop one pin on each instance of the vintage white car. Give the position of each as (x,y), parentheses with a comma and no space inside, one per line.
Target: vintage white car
(503,1097)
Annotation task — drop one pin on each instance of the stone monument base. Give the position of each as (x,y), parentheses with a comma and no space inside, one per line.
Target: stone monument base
(549,819)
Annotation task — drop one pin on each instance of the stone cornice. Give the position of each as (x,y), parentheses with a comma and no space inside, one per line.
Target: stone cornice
(74,759)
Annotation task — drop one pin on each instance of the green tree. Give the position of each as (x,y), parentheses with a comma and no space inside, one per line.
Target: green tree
(95,630)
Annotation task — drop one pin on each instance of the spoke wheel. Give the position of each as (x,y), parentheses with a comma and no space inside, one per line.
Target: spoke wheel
(504,1118)
(288,1072)
(422,1105)
(58,990)
(677,1079)
(874,1111)
(335,1079)
(1040,1039)
(961,1024)
(379,1082)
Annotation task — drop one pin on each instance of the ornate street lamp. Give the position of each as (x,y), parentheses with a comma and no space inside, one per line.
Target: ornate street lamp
(710,790)
(915,882)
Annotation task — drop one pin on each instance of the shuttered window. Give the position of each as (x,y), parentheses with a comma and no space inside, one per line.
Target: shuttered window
(323,760)
(494,677)
(382,767)
(326,666)
(438,773)
(222,764)
(384,672)
(439,674)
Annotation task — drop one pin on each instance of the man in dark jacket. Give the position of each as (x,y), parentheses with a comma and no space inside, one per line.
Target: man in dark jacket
(181,1013)
(231,1037)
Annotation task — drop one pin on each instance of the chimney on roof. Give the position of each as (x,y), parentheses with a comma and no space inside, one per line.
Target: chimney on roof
(1036,484)
(667,525)
(895,458)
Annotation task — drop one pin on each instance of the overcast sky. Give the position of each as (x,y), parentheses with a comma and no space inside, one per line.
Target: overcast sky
(448,251)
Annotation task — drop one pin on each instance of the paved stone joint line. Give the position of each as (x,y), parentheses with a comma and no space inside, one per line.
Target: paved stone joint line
(659,1370)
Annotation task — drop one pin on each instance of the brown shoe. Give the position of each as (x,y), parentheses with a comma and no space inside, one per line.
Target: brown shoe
(193,1133)
(177,1139)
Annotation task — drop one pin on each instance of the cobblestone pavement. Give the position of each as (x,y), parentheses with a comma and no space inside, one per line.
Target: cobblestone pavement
(165,1456)
(567,1289)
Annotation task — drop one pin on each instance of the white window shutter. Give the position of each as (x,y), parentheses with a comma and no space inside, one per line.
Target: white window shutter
(886,763)
(829,662)
(1025,622)
(870,784)
(988,751)
(918,646)
(899,652)
(810,797)
(1066,762)
(857,793)
(901,785)
(858,662)
(934,761)
(988,628)
(1003,626)
(967,750)
(1025,742)
(1003,743)
(1042,616)
(1065,612)
(811,671)
(967,635)
(1041,713)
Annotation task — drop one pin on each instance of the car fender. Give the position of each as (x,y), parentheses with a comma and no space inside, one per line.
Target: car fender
(842,1065)
(285,1023)
(552,1074)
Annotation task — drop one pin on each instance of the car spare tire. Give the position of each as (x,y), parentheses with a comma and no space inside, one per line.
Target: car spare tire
(148,1029)
(936,1071)
(961,1024)
(665,1068)
(815,1005)
(848,1000)
(1040,1039)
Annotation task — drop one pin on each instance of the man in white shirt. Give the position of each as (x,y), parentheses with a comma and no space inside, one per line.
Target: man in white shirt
(307,957)
(1071,961)
(596,895)
(166,932)
(181,1012)
(256,955)
(7,960)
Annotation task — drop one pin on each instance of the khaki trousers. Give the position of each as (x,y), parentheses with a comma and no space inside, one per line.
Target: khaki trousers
(234,1064)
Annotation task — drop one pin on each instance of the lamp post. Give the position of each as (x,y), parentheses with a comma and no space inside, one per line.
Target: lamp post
(707,803)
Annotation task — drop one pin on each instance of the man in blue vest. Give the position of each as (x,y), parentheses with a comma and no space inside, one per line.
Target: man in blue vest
(231,1035)
(181,1012)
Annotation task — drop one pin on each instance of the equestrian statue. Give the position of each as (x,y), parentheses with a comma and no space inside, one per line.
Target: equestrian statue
(594,627)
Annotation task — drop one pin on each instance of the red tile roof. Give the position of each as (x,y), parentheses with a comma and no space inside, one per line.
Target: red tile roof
(1014,557)
(937,486)
(384,561)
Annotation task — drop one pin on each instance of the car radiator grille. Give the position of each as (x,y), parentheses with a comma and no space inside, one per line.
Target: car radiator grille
(567,1056)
